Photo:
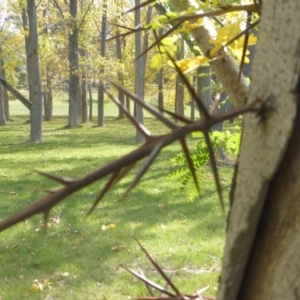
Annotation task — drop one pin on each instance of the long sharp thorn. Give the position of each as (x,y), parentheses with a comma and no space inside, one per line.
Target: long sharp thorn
(191,90)
(190,163)
(151,283)
(178,117)
(103,192)
(214,167)
(115,178)
(141,128)
(146,106)
(62,180)
(161,272)
(144,168)
(132,30)
(249,16)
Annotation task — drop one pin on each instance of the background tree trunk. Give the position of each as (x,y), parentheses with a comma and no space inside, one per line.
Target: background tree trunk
(48,98)
(74,66)
(4,90)
(2,111)
(91,103)
(34,79)
(121,95)
(101,79)
(179,96)
(2,101)
(261,257)
(139,84)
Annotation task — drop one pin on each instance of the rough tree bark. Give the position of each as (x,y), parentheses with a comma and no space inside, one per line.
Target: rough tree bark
(73,69)
(121,95)
(5,94)
(48,98)
(2,101)
(34,78)
(101,79)
(261,258)
(179,95)
(139,84)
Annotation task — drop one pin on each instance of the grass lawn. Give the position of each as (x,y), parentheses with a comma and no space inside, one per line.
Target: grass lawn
(78,258)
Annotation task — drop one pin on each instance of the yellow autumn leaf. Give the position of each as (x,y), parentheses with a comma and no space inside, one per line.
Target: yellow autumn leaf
(112,226)
(36,286)
(118,248)
(169,41)
(189,25)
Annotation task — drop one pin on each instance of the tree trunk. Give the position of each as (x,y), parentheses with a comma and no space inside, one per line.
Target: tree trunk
(34,79)
(160,82)
(74,67)
(101,79)
(91,103)
(2,102)
(179,96)
(127,100)
(4,91)
(48,99)
(84,109)
(121,95)
(261,258)
(139,84)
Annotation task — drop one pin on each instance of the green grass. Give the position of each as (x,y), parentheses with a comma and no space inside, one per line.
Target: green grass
(182,236)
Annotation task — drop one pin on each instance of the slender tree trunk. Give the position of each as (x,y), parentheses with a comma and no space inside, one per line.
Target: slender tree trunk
(160,81)
(192,116)
(48,98)
(2,101)
(2,111)
(91,103)
(121,95)
(101,79)
(84,99)
(4,91)
(127,100)
(179,96)
(261,258)
(145,47)
(139,84)
(74,67)
(34,79)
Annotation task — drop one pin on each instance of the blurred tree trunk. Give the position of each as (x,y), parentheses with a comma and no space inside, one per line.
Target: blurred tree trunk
(101,77)
(5,94)
(48,98)
(33,70)
(74,89)
(160,83)
(121,95)
(2,101)
(179,96)
(84,109)
(139,84)
(91,103)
